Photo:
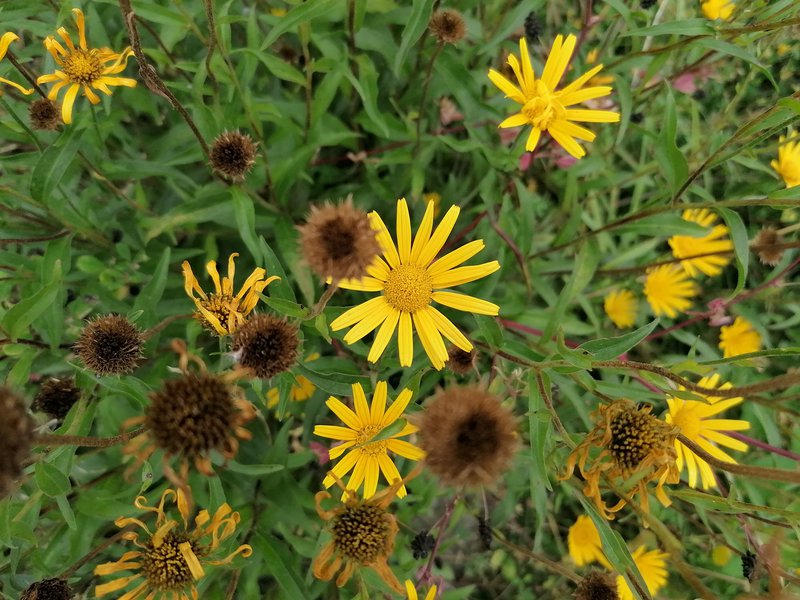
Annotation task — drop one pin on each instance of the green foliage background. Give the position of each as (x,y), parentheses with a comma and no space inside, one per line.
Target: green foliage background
(332,91)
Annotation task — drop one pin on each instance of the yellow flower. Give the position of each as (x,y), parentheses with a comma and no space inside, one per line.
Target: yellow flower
(687,246)
(5,42)
(788,163)
(409,279)
(221,311)
(83,67)
(620,306)
(302,389)
(591,58)
(584,543)
(739,338)
(721,555)
(668,289)
(692,417)
(170,560)
(653,567)
(411,591)
(436,198)
(546,108)
(718,9)
(367,458)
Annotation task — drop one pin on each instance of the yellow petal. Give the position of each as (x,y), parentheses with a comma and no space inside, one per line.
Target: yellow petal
(403,231)
(69,100)
(439,236)
(384,335)
(397,408)
(466,303)
(405,339)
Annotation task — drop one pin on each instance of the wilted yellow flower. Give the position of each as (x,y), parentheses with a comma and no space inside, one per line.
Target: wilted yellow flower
(668,290)
(83,67)
(718,9)
(621,307)
(653,567)
(546,108)
(788,163)
(5,42)
(687,246)
(739,338)
(583,541)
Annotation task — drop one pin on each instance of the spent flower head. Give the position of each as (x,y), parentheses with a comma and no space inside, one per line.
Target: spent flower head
(16,432)
(110,345)
(233,154)
(265,345)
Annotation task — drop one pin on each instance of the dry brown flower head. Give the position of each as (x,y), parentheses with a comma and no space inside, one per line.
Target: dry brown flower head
(48,589)
(110,345)
(265,345)
(233,154)
(44,115)
(768,243)
(460,362)
(448,26)
(469,437)
(56,397)
(597,585)
(16,431)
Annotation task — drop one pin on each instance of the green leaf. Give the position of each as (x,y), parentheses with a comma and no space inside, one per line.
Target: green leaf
(741,247)
(367,87)
(416,24)
(278,67)
(577,358)
(337,384)
(253,469)
(664,224)
(303,13)
(20,316)
(285,307)
(687,27)
(53,163)
(490,330)
(66,511)
(277,557)
(668,155)
(539,421)
(612,347)
(733,50)
(245,214)
(50,480)
(152,292)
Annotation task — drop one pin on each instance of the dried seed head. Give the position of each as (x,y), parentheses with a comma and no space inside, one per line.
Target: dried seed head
(338,241)
(233,154)
(597,586)
(768,243)
(362,532)
(110,345)
(164,566)
(635,434)
(469,438)
(48,589)
(16,431)
(533,27)
(422,544)
(460,362)
(448,26)
(56,397)
(192,415)
(266,345)
(44,115)
(645,4)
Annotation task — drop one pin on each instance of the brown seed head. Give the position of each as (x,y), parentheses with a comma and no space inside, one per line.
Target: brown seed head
(56,397)
(48,589)
(192,415)
(362,532)
(460,362)
(448,26)
(266,345)
(597,586)
(635,433)
(233,154)
(338,241)
(768,243)
(16,431)
(469,438)
(110,345)
(44,115)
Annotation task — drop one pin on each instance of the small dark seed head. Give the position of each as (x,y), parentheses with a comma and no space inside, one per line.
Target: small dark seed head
(233,154)
(338,241)
(448,26)
(362,532)
(192,415)
(48,589)
(460,362)
(110,345)
(44,115)
(485,532)
(16,431)
(56,397)
(266,345)
(597,586)
(422,544)
(749,561)
(768,243)
(533,27)
(645,4)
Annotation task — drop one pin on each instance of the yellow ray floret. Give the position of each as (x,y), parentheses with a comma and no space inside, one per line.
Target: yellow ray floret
(707,254)
(621,308)
(788,163)
(548,109)
(410,278)
(669,290)
(5,42)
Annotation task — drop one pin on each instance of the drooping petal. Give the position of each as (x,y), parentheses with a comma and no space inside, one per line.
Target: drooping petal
(69,100)
(533,139)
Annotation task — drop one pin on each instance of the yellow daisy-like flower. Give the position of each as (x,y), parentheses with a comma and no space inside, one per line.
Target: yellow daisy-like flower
(411,591)
(718,9)
(739,338)
(5,42)
(788,163)
(653,567)
(668,290)
(302,389)
(367,458)
(692,417)
(410,278)
(583,541)
(83,67)
(621,308)
(546,108)
(221,311)
(170,560)
(687,247)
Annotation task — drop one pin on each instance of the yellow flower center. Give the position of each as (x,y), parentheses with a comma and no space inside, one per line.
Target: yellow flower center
(543,108)
(219,305)
(165,566)
(408,288)
(82,66)
(687,421)
(366,434)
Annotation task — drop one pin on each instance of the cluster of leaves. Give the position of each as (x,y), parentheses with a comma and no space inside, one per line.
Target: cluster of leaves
(98,216)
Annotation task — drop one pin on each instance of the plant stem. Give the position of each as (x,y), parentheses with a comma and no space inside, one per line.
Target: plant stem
(423,98)
(323,301)
(49,439)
